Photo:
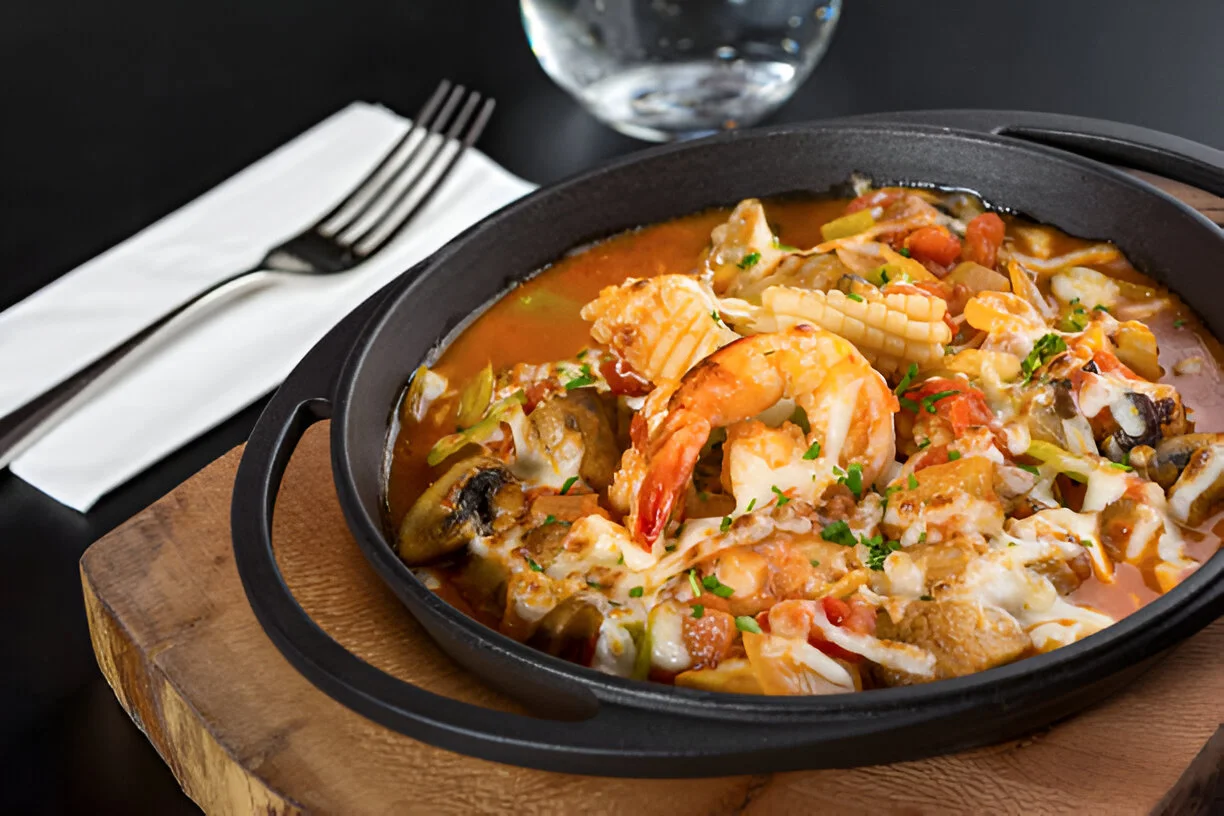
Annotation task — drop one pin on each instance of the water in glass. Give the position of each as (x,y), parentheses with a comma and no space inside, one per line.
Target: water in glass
(666,69)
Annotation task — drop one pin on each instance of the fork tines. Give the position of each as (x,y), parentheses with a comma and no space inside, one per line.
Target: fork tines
(409,174)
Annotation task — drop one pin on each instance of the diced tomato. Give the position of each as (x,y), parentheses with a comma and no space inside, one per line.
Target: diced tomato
(536,393)
(622,379)
(862,617)
(876,198)
(965,409)
(933,244)
(835,609)
(983,237)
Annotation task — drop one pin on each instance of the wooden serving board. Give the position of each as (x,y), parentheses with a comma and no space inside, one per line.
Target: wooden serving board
(244,733)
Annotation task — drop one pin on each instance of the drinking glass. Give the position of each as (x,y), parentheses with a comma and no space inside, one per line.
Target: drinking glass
(668,69)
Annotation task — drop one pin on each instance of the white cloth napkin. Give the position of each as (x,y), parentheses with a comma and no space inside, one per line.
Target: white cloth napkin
(243,350)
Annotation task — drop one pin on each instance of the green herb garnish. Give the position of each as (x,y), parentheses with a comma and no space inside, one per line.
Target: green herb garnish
(751,505)
(1120,466)
(922,537)
(853,479)
(534,566)
(746,623)
(839,533)
(912,482)
(1085,542)
(636,592)
(878,550)
(1178,323)
(953,455)
(620,560)
(716,317)
(696,587)
(1033,469)
(594,584)
(905,253)
(929,402)
(1043,351)
(698,610)
(749,260)
(568,484)
(799,417)
(904,385)
(814,562)
(782,497)
(720,589)
(1100,308)
(855,297)
(908,404)
(725,524)
(669,548)
(924,444)
(812,452)
(926,597)
(585,379)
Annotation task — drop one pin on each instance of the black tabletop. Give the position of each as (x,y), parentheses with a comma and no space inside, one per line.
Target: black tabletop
(117,113)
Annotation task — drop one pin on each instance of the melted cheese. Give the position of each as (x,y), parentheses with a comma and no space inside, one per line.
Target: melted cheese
(899,656)
(1187,490)
(667,650)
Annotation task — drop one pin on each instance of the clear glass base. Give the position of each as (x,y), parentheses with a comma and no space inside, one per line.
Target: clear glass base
(671,101)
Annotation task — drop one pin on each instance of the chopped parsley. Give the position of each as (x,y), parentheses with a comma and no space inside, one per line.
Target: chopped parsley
(1043,351)
(568,484)
(905,253)
(953,455)
(855,297)
(812,452)
(1120,466)
(928,402)
(908,404)
(746,623)
(620,560)
(799,417)
(698,610)
(1085,542)
(594,584)
(839,533)
(751,505)
(838,471)
(716,317)
(904,385)
(696,587)
(782,497)
(749,260)
(1100,308)
(1178,323)
(716,586)
(815,562)
(549,519)
(924,444)
(912,482)
(926,597)
(725,524)
(670,548)
(583,380)
(680,529)
(534,566)
(1033,469)
(636,592)
(922,537)
(853,479)
(878,549)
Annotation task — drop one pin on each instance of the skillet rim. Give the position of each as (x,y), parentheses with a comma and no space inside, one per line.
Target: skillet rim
(1094,658)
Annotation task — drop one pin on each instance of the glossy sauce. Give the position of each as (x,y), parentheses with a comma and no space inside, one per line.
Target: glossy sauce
(538,321)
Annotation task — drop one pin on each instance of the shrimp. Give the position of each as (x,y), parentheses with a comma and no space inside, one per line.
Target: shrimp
(848,404)
(659,326)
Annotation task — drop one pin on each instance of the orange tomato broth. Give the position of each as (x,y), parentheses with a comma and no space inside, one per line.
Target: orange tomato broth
(538,321)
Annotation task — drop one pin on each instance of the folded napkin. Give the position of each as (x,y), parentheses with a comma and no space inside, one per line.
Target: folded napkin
(243,350)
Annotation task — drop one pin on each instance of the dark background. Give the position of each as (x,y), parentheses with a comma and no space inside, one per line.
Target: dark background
(116,113)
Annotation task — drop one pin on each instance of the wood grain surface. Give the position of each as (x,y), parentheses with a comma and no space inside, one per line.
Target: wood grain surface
(244,733)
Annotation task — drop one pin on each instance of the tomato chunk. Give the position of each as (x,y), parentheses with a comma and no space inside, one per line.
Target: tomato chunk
(964,409)
(876,198)
(933,244)
(983,237)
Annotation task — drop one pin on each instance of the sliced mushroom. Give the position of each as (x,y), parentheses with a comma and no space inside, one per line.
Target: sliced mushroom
(578,424)
(569,630)
(1165,462)
(474,498)
(1201,484)
(1139,423)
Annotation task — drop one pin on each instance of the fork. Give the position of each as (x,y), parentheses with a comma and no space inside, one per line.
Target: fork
(378,208)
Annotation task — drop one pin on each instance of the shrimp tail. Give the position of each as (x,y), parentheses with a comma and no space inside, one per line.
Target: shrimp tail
(667,477)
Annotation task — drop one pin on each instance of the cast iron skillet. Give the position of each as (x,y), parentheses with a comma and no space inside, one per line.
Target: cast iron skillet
(595,724)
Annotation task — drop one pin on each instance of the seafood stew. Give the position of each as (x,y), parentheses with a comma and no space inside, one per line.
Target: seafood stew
(815,446)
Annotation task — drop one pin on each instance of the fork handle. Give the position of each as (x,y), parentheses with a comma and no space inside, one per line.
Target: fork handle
(26,425)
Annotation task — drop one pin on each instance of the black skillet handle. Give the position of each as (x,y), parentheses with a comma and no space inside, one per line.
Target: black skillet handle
(1111,142)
